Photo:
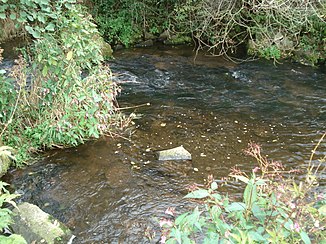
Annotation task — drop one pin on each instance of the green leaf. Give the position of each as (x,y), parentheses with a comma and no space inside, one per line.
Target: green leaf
(69,55)
(179,220)
(236,206)
(12,16)
(214,186)
(305,238)
(36,34)
(30,17)
(41,18)
(250,193)
(322,210)
(211,238)
(2,15)
(198,194)
(12,239)
(256,236)
(45,70)
(260,182)
(258,212)
(50,27)
(217,196)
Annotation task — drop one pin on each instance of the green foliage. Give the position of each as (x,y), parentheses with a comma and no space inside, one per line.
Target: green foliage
(275,30)
(271,52)
(70,96)
(272,210)
(5,215)
(126,22)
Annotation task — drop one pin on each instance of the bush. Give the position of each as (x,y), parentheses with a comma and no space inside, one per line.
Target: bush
(274,210)
(269,29)
(126,22)
(59,93)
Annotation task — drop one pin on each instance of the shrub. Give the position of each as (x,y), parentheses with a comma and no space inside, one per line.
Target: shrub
(273,210)
(269,29)
(126,22)
(59,93)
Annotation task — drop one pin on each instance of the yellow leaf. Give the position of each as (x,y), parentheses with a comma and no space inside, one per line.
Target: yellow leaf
(69,55)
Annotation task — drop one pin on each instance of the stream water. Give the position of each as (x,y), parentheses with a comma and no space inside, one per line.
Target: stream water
(115,190)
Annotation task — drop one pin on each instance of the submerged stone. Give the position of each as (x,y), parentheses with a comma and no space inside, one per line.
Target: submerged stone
(177,153)
(37,226)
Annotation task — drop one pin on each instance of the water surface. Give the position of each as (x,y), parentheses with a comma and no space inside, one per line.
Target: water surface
(115,190)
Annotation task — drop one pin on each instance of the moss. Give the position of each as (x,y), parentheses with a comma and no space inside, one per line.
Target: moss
(178,40)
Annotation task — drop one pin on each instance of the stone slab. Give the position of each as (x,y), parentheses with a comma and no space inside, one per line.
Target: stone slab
(177,153)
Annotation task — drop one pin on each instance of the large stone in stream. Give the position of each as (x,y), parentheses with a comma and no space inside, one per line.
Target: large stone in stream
(177,153)
(36,226)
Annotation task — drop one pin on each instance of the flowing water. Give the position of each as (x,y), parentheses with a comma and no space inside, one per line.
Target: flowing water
(116,190)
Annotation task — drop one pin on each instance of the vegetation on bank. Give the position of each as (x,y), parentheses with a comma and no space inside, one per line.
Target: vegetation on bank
(269,29)
(273,209)
(59,93)
(6,216)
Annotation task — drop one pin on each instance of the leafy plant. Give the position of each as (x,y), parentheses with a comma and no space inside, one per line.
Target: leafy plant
(59,93)
(5,215)
(273,210)
(275,30)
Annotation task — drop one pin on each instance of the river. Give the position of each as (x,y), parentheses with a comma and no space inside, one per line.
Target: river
(114,190)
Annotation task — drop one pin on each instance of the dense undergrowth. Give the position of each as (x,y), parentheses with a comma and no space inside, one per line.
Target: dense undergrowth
(269,29)
(59,93)
(274,208)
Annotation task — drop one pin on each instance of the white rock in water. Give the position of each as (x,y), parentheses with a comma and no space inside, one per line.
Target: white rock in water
(177,153)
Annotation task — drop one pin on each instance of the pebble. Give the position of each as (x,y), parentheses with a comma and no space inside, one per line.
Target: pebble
(196,169)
